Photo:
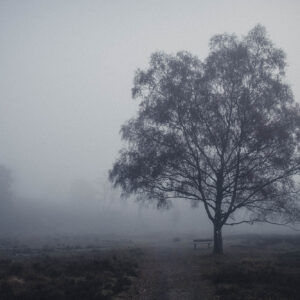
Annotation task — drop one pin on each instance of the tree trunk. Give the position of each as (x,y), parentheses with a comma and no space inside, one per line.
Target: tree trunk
(218,240)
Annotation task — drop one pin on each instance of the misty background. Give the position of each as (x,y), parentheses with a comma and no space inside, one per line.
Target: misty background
(66,75)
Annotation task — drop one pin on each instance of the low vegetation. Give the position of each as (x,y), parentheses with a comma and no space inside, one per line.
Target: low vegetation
(69,277)
(253,267)
(267,269)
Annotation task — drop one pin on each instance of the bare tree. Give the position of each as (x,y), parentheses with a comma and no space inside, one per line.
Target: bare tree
(223,132)
(6,198)
(5,186)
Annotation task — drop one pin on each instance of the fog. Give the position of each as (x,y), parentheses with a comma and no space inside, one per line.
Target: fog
(66,75)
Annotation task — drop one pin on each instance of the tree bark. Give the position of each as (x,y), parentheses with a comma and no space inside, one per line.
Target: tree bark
(218,240)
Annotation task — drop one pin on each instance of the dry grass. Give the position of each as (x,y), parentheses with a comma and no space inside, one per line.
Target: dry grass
(263,271)
(69,277)
(253,267)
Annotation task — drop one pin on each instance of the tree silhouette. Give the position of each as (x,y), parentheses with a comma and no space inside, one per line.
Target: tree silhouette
(223,132)
(5,192)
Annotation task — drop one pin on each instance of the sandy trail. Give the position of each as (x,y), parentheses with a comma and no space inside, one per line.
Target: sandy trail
(171,274)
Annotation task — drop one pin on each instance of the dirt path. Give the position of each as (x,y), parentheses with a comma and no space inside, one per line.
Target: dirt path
(171,274)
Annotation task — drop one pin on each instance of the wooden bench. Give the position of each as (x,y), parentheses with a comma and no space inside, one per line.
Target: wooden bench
(202,241)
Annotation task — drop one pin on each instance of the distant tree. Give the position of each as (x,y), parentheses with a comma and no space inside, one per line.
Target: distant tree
(223,132)
(5,189)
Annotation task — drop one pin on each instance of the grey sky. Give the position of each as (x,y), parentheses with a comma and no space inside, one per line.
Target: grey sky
(67,69)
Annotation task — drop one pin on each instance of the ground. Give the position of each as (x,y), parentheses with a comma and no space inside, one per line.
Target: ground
(253,267)
(171,273)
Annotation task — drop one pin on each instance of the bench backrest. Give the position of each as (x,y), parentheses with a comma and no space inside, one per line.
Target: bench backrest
(202,240)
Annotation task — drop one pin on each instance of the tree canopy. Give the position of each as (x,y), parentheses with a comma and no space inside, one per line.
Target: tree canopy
(223,132)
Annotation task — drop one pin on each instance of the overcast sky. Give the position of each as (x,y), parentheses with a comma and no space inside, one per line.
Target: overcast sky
(67,69)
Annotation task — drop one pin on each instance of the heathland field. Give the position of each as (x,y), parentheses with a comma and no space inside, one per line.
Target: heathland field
(253,267)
